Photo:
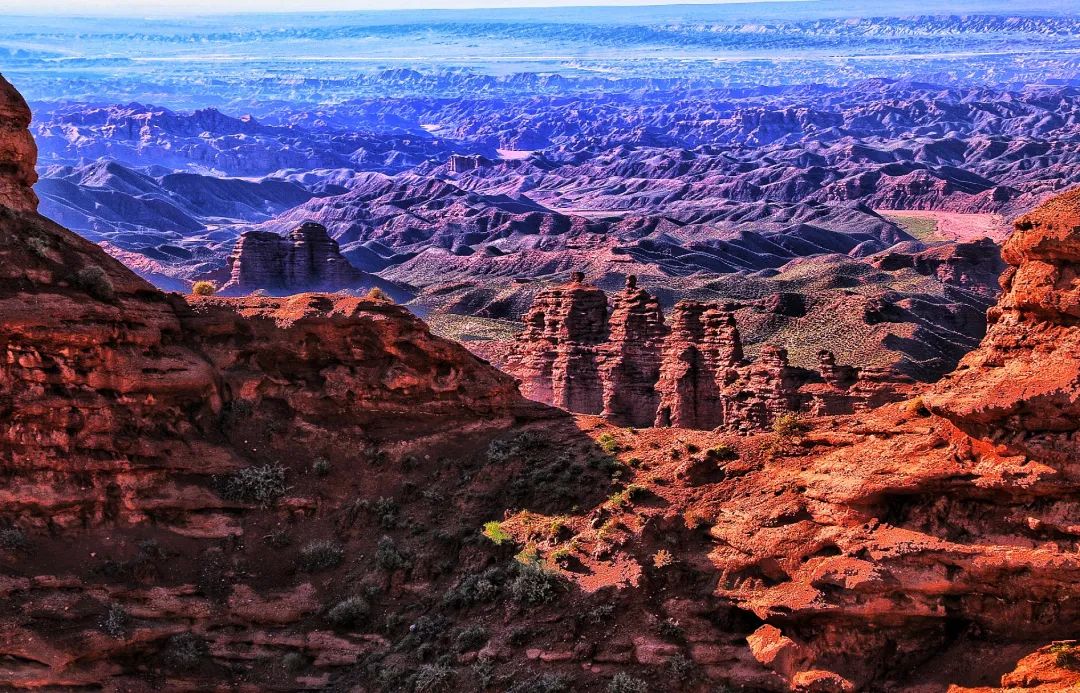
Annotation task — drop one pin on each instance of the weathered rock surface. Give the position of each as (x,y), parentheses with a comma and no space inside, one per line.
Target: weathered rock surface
(18,153)
(306,259)
(637,370)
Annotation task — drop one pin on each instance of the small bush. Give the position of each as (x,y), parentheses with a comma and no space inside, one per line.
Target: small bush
(534,585)
(115,621)
(432,678)
(262,485)
(13,539)
(278,538)
(787,425)
(349,612)
(1066,656)
(472,638)
(293,662)
(95,281)
(377,294)
(203,288)
(681,668)
(626,496)
(186,651)
(495,532)
(388,557)
(625,683)
(477,588)
(722,453)
(321,466)
(608,443)
(320,555)
(670,629)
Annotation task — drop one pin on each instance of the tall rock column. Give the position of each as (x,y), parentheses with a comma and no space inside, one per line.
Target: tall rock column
(17,152)
(558,356)
(632,367)
(689,397)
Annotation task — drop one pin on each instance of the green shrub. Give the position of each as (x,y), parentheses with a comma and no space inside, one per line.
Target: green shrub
(1066,655)
(787,425)
(349,612)
(203,288)
(95,281)
(321,554)
(321,466)
(625,683)
(608,443)
(495,532)
(534,585)
(262,485)
(388,557)
(476,588)
(722,453)
(472,638)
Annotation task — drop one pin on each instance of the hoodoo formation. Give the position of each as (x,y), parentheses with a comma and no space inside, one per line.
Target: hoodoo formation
(634,368)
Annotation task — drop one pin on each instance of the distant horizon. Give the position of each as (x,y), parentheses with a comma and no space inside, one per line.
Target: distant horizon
(168,9)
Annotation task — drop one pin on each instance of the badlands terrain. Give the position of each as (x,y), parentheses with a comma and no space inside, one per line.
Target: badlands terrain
(703,348)
(253,493)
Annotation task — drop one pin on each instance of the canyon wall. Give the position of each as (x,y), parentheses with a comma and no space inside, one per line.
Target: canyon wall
(637,369)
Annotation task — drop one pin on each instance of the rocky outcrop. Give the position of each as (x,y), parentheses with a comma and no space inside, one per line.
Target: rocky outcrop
(306,259)
(689,374)
(18,153)
(940,528)
(126,418)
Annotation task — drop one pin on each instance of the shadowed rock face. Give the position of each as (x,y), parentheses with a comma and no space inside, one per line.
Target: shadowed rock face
(306,259)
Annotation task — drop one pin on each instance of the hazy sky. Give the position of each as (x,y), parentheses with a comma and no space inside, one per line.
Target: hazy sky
(149,8)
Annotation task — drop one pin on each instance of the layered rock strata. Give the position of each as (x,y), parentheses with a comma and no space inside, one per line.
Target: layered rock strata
(305,259)
(638,369)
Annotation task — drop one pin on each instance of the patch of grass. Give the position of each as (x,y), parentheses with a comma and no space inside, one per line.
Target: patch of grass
(494,531)
(262,485)
(321,554)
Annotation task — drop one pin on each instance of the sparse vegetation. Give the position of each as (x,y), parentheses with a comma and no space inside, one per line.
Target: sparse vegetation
(388,557)
(626,496)
(681,667)
(203,288)
(495,532)
(722,453)
(115,621)
(625,683)
(321,554)
(278,538)
(433,678)
(535,585)
(542,683)
(377,294)
(787,425)
(321,466)
(608,443)
(186,651)
(261,484)
(13,539)
(475,588)
(670,629)
(471,638)
(349,612)
(1066,655)
(662,558)
(95,281)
